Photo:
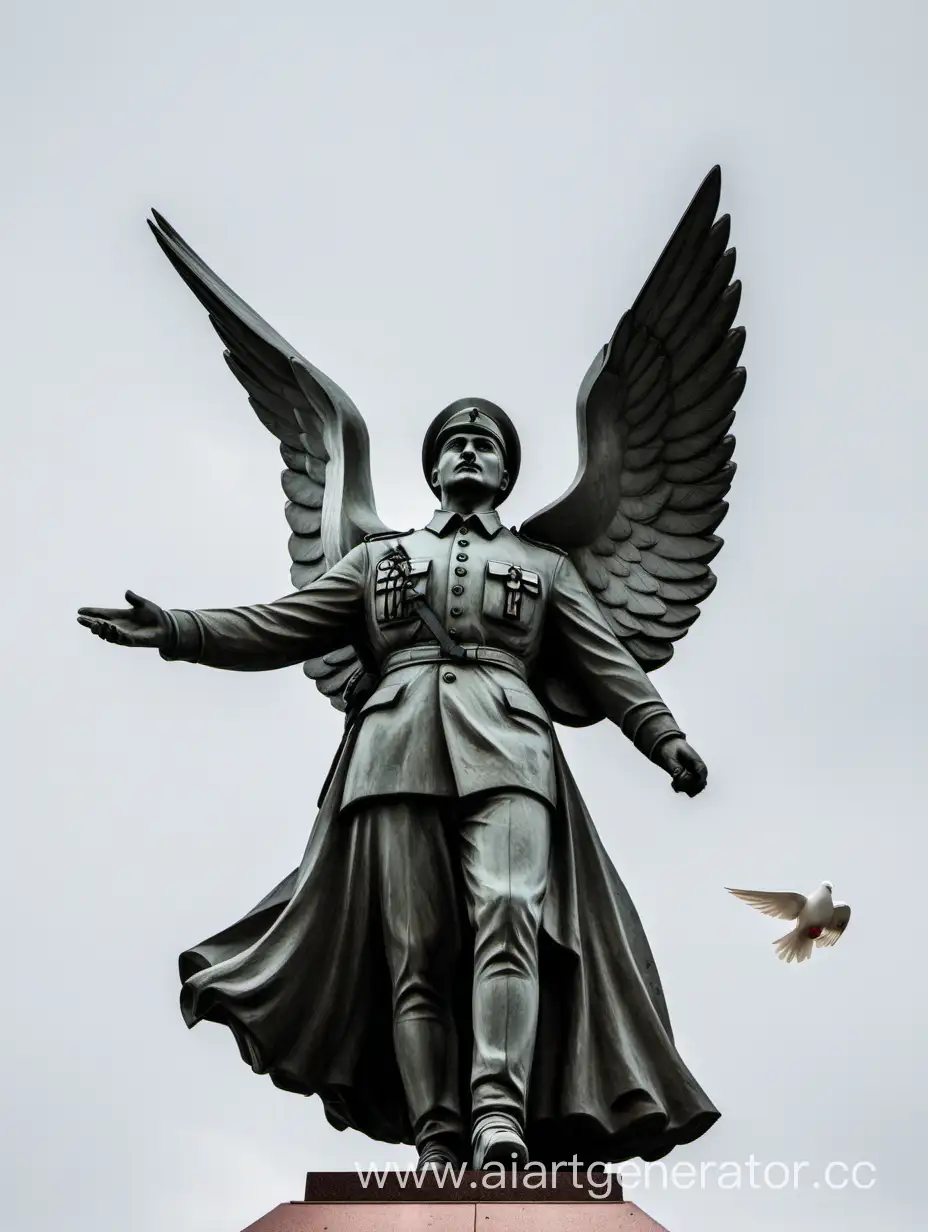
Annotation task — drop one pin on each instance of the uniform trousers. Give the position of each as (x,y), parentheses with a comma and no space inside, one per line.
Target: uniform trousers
(493,849)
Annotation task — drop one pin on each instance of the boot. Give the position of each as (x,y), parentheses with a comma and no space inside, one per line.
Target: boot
(438,1154)
(497,1139)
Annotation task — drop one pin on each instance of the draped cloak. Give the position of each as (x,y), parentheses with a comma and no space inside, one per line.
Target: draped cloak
(302,983)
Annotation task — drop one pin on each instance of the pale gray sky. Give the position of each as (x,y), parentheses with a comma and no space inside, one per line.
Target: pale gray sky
(430,201)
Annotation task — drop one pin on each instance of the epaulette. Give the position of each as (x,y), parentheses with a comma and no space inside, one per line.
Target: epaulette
(386,534)
(538,543)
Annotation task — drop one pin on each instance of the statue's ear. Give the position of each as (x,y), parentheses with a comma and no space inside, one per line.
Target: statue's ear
(434,479)
(504,482)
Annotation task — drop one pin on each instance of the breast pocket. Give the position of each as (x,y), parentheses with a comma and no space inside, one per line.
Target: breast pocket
(511,594)
(395,586)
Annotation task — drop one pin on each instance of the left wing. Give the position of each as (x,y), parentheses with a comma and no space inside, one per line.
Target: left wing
(323,441)
(653,415)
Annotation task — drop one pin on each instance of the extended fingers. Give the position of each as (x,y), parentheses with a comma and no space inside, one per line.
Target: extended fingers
(103,628)
(102,613)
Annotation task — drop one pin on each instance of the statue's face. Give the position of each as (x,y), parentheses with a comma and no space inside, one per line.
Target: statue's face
(469,460)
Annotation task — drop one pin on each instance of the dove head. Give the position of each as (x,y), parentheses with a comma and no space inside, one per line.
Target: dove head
(826,885)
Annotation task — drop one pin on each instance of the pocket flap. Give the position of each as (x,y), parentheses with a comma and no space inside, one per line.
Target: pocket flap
(529,581)
(387,695)
(520,701)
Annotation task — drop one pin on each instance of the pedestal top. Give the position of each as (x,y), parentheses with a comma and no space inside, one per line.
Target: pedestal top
(494,1185)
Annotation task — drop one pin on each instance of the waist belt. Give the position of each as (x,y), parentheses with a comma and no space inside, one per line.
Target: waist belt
(431,652)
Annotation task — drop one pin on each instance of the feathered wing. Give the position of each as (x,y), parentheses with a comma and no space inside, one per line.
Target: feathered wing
(323,440)
(834,929)
(781,904)
(653,415)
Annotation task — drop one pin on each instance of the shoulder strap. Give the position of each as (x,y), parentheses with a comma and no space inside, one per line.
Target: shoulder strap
(386,534)
(538,543)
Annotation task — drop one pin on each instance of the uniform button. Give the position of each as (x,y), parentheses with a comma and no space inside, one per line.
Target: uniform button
(462,556)
(449,676)
(457,611)
(463,543)
(461,571)
(457,589)
(453,632)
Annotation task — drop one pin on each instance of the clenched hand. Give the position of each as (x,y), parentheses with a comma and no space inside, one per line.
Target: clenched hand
(684,765)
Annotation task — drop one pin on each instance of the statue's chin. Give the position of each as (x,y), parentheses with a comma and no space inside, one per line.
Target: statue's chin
(472,489)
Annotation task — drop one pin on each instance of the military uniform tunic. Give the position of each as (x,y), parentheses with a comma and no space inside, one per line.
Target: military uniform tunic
(440,728)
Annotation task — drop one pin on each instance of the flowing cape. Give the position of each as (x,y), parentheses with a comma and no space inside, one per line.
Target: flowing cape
(302,983)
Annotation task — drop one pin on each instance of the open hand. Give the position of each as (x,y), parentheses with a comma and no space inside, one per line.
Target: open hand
(684,765)
(142,624)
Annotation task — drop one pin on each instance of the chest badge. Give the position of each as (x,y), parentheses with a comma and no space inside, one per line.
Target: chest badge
(399,583)
(512,608)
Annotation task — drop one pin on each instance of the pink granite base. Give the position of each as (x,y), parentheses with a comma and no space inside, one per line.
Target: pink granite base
(456,1217)
(340,1202)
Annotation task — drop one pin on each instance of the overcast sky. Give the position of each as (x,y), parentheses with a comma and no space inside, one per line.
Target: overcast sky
(430,201)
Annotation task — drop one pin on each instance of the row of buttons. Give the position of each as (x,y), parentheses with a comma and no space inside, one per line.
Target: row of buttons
(457,589)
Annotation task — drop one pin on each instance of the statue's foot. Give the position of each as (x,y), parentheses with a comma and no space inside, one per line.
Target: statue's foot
(497,1139)
(438,1155)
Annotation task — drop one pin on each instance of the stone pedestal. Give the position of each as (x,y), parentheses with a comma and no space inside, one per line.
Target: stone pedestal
(478,1202)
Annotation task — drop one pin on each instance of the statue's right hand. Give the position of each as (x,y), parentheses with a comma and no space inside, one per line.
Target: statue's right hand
(142,624)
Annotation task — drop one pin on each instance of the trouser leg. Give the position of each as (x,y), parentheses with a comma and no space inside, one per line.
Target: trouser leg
(421,938)
(505,843)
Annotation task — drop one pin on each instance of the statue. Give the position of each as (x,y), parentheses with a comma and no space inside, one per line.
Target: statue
(456,963)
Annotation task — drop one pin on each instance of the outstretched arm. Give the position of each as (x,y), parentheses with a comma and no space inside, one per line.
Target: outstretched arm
(617,682)
(260,637)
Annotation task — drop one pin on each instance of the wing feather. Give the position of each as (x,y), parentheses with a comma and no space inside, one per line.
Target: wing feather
(781,904)
(323,439)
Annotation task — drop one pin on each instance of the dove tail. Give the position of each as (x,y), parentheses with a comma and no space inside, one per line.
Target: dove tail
(794,946)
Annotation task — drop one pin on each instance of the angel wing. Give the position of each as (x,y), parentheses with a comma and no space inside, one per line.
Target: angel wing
(323,441)
(834,930)
(653,413)
(781,904)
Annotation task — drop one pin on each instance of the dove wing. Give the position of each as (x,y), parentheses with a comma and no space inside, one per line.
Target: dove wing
(781,904)
(834,930)
(323,440)
(653,415)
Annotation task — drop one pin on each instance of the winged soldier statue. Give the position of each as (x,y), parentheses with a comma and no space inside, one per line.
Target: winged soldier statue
(455,963)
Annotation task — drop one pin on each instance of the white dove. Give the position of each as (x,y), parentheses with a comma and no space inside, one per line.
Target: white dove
(819,919)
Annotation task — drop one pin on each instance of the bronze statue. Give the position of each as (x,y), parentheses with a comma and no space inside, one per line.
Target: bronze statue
(456,963)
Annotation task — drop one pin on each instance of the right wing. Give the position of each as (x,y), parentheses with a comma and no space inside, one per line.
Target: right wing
(323,440)
(653,414)
(834,929)
(781,904)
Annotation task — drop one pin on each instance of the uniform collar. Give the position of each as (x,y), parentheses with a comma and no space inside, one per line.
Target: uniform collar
(445,522)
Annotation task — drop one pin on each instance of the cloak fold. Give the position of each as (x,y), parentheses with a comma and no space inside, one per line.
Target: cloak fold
(302,983)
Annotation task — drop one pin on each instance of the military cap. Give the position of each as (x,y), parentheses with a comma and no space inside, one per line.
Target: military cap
(475,415)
